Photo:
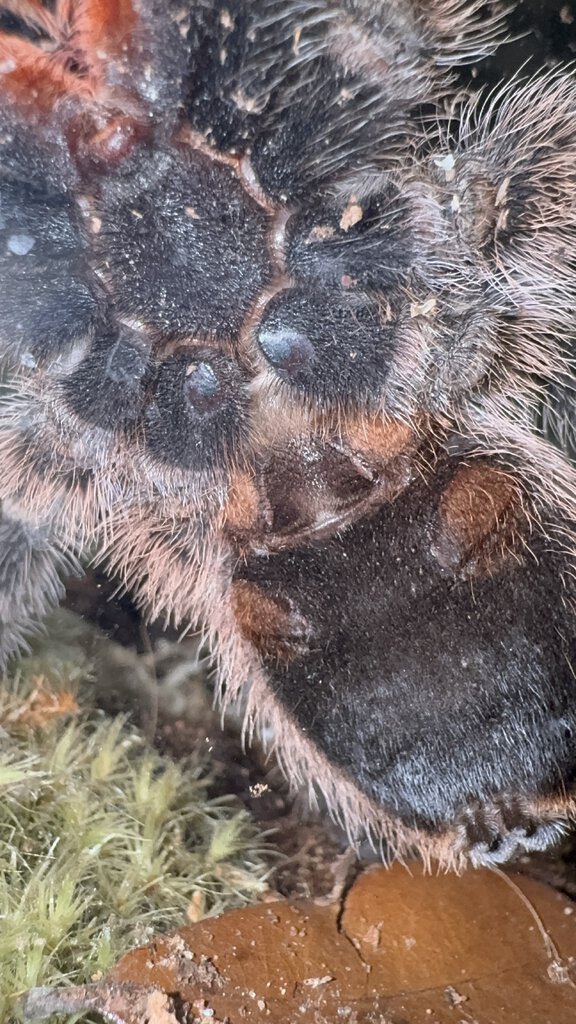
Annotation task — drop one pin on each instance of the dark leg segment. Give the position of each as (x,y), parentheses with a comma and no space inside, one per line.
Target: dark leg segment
(31,566)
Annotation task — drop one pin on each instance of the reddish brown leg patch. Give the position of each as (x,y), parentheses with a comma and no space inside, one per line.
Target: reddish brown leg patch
(35,80)
(481,514)
(99,27)
(246,513)
(271,624)
(84,37)
(378,438)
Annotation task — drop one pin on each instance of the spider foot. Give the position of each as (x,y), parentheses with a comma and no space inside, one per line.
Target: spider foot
(498,832)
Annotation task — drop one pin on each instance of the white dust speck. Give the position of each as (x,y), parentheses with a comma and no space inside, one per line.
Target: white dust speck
(21,245)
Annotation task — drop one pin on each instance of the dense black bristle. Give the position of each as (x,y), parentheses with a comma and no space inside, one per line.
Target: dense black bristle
(327,344)
(362,235)
(197,417)
(49,298)
(181,243)
(107,388)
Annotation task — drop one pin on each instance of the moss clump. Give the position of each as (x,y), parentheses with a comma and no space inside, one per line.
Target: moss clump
(103,842)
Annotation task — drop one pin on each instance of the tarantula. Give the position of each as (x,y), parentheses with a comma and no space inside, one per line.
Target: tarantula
(285,321)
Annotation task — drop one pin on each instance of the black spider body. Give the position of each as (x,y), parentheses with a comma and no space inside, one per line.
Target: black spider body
(494,706)
(281,317)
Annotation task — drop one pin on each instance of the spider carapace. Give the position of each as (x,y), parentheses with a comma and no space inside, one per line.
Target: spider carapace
(287,333)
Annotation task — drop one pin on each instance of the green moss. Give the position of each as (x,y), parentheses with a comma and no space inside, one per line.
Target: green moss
(104,842)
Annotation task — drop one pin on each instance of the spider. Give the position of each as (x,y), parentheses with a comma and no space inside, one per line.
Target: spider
(286,329)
